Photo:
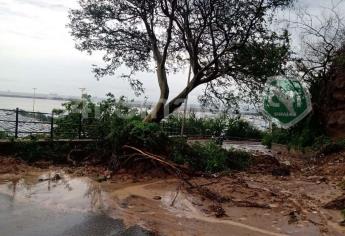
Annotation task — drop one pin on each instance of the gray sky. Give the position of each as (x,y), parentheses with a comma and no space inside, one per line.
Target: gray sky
(36,50)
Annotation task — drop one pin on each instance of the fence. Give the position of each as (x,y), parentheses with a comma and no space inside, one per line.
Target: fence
(19,123)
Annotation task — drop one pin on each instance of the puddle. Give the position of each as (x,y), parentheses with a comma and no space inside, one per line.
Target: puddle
(80,206)
(65,207)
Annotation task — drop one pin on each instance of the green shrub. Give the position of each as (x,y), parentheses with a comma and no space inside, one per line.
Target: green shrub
(146,135)
(212,157)
(32,151)
(267,140)
(208,156)
(3,135)
(194,126)
(307,133)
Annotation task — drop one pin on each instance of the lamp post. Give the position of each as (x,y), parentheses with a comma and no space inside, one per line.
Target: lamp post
(186,103)
(34,100)
(82,90)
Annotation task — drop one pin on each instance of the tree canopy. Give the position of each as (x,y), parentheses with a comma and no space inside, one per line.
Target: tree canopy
(226,43)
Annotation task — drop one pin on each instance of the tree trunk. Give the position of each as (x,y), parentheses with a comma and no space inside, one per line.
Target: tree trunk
(162,110)
(157,114)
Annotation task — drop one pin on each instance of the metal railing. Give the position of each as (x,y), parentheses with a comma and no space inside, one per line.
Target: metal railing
(20,124)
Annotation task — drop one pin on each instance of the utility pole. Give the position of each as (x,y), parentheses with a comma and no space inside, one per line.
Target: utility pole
(34,100)
(83,102)
(82,90)
(186,102)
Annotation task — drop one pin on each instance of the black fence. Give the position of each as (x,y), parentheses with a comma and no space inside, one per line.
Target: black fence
(20,124)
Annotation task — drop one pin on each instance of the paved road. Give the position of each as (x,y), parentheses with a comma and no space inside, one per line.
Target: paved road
(27,217)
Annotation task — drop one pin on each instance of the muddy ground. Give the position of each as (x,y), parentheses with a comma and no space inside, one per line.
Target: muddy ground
(283,193)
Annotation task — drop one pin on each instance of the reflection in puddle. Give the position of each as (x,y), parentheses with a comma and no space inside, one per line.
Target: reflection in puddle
(80,194)
(66,206)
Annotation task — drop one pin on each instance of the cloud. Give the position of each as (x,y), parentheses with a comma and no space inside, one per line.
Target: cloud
(44,4)
(5,11)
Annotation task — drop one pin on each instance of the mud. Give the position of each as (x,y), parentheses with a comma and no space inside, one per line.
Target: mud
(258,202)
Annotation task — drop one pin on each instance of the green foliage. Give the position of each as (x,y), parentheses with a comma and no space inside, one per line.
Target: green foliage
(242,129)
(208,156)
(212,157)
(92,120)
(146,135)
(194,126)
(33,150)
(332,147)
(307,133)
(3,135)
(116,125)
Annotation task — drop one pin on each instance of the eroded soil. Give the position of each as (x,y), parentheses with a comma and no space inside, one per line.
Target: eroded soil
(255,202)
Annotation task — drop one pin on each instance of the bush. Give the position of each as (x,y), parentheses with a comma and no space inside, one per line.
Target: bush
(117,125)
(3,135)
(149,136)
(194,126)
(32,151)
(208,156)
(305,134)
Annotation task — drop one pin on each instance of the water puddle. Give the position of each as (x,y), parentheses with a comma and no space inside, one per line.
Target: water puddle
(63,207)
(81,206)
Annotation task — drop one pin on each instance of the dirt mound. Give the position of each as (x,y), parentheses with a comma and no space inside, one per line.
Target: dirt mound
(11,165)
(328,165)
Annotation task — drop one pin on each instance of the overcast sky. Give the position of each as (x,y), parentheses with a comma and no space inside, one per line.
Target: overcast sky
(36,50)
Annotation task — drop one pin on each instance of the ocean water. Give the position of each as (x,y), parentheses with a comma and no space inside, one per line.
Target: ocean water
(46,106)
(41,105)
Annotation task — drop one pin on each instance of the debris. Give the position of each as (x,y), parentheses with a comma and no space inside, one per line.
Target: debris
(342,223)
(177,192)
(281,171)
(293,217)
(336,204)
(56,177)
(218,210)
(101,178)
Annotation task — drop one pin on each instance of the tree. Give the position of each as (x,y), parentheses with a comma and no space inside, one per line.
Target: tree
(320,62)
(322,36)
(224,42)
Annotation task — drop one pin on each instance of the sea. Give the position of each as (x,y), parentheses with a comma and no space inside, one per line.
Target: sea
(47,105)
(27,104)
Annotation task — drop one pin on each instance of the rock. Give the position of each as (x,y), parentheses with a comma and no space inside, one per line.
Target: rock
(101,178)
(293,217)
(218,210)
(56,177)
(273,205)
(336,204)
(342,223)
(157,197)
(281,171)
(286,163)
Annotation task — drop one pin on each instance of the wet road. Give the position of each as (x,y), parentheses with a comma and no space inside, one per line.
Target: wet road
(249,146)
(24,214)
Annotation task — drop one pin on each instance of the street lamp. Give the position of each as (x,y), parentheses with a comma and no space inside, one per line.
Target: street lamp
(34,100)
(82,92)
